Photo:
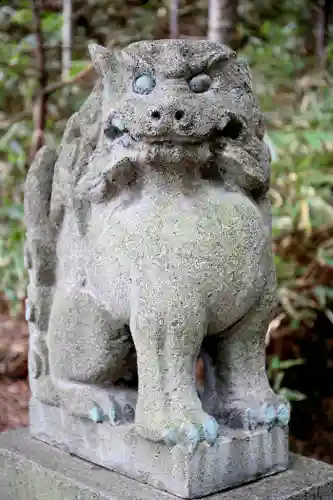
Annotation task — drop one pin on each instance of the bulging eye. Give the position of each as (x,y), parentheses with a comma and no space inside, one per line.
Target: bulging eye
(144,84)
(200,83)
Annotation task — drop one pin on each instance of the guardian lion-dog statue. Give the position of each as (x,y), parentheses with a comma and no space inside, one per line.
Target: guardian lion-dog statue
(149,244)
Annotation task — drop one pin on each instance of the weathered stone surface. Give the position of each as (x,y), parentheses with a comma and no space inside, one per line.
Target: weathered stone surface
(236,457)
(148,244)
(31,470)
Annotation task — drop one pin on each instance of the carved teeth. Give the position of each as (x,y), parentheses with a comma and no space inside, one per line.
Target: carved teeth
(172,141)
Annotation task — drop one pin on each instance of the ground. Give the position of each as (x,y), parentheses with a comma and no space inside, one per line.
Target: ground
(14,388)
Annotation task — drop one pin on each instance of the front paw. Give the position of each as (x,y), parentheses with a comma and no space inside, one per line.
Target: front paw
(186,429)
(251,415)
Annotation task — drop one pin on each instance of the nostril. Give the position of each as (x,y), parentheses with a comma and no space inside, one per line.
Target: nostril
(156,114)
(179,114)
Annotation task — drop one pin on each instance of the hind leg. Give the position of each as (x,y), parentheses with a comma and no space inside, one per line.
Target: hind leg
(246,398)
(86,349)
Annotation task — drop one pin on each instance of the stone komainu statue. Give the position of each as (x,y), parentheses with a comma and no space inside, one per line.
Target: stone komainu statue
(149,241)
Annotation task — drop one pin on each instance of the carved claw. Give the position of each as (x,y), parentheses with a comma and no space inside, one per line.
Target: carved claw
(211,431)
(251,419)
(272,415)
(189,435)
(170,437)
(283,414)
(268,415)
(114,415)
(97,415)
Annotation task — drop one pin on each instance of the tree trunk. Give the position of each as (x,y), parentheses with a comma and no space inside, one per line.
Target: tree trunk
(319,30)
(222,19)
(317,37)
(40,105)
(66,39)
(174,12)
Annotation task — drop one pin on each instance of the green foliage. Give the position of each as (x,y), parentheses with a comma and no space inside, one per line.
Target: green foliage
(13,279)
(296,99)
(18,90)
(302,195)
(276,371)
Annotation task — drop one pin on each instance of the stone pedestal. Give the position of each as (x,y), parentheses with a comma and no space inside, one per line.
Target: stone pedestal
(237,456)
(31,470)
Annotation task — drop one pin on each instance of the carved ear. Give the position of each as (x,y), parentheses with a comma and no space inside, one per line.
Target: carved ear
(220,57)
(101,58)
(105,60)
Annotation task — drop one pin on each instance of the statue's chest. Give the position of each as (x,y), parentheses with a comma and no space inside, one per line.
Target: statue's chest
(209,226)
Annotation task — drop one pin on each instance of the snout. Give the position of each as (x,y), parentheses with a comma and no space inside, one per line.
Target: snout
(178,125)
(153,123)
(173,116)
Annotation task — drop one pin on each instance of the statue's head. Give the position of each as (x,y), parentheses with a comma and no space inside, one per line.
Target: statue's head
(180,100)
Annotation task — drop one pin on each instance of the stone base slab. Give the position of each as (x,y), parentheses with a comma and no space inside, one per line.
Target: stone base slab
(32,470)
(236,458)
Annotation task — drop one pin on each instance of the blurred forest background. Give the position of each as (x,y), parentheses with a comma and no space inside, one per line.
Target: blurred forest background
(45,75)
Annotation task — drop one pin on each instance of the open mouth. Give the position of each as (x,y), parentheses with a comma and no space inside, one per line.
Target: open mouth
(172,140)
(232,130)
(114,129)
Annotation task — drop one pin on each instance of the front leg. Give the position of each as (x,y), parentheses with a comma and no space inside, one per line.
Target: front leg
(167,338)
(246,399)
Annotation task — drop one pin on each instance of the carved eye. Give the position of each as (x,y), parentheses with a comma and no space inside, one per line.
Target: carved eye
(200,83)
(144,84)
